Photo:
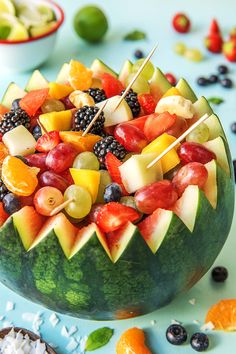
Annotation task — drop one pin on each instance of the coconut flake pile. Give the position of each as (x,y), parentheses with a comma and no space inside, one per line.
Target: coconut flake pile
(17,343)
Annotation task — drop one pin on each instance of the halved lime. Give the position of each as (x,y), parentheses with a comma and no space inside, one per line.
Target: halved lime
(40,30)
(47,13)
(6,6)
(18,32)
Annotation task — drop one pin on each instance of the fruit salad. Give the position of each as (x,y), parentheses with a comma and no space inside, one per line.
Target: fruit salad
(83,200)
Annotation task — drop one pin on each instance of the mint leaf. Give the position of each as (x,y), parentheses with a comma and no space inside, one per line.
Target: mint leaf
(135,35)
(98,338)
(215,100)
(4,32)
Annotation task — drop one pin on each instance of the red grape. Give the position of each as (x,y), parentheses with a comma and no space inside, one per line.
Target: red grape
(178,128)
(194,173)
(194,152)
(50,178)
(37,160)
(67,102)
(131,137)
(46,199)
(61,157)
(159,194)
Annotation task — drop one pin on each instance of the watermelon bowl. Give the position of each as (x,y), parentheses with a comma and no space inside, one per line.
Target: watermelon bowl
(79,270)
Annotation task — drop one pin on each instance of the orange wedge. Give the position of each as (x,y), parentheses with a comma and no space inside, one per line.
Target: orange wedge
(223,315)
(80,77)
(132,341)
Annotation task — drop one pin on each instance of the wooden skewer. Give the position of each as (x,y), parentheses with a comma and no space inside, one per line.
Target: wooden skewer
(177,141)
(94,119)
(61,207)
(44,130)
(135,77)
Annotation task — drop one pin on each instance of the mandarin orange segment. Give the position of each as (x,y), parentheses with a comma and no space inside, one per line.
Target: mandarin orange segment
(223,315)
(3,110)
(3,152)
(19,178)
(80,77)
(80,143)
(132,341)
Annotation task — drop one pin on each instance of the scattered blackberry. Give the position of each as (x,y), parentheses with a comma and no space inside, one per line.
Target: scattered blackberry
(176,334)
(3,190)
(113,193)
(84,116)
(132,100)
(97,94)
(102,147)
(37,132)
(219,274)
(13,119)
(11,203)
(199,342)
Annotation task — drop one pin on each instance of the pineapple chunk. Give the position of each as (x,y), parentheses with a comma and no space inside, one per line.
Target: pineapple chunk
(19,141)
(135,174)
(176,105)
(59,91)
(88,179)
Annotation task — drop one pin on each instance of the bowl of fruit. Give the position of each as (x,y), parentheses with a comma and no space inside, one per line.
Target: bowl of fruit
(88,228)
(28,31)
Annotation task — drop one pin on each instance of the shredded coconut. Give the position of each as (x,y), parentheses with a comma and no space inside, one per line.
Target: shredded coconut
(207,326)
(192,301)
(10,306)
(176,322)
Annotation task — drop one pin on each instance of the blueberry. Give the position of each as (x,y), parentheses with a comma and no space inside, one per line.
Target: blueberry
(113,193)
(11,203)
(213,79)
(138,54)
(233,127)
(16,104)
(227,83)
(37,132)
(219,274)
(199,342)
(223,69)
(176,334)
(22,158)
(202,81)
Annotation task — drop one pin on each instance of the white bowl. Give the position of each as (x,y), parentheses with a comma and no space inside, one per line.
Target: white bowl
(30,53)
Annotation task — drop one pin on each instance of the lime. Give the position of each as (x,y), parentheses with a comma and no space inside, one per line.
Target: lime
(18,32)
(40,30)
(6,6)
(47,13)
(90,23)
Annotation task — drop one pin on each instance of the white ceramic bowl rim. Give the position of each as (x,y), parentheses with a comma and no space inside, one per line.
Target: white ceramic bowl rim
(60,19)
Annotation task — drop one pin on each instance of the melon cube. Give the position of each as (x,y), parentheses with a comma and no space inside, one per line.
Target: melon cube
(19,141)
(135,174)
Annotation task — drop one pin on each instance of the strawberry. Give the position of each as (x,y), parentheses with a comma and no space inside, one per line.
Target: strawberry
(232,34)
(111,85)
(112,165)
(33,100)
(171,78)
(113,215)
(3,215)
(229,50)
(48,141)
(214,43)
(181,23)
(214,27)
(147,103)
(155,126)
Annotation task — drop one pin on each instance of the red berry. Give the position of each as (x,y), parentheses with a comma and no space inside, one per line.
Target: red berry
(229,50)
(181,23)
(147,103)
(214,43)
(1,135)
(113,215)
(61,157)
(33,100)
(112,165)
(111,85)
(48,141)
(155,195)
(3,215)
(131,137)
(171,78)
(178,127)
(194,173)
(194,152)
(214,27)
(37,160)
(157,125)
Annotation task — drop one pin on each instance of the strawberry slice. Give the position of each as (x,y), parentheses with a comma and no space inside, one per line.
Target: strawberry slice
(113,215)
(155,126)
(147,103)
(112,164)
(140,122)
(111,85)
(33,101)
(48,141)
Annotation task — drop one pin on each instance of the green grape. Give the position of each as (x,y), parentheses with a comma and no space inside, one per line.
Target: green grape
(180,48)
(193,54)
(81,204)
(52,105)
(141,85)
(148,70)
(199,135)
(86,161)
(105,179)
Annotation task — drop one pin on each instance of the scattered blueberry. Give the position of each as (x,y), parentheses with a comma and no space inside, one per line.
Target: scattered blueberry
(223,69)
(199,342)
(202,81)
(113,193)
(138,54)
(176,334)
(11,203)
(37,132)
(234,163)
(16,104)
(219,274)
(233,127)
(227,83)
(213,79)
(22,158)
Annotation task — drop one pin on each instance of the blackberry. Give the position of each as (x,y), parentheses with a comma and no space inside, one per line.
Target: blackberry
(37,132)
(102,147)
(97,94)
(13,119)
(84,116)
(3,190)
(132,100)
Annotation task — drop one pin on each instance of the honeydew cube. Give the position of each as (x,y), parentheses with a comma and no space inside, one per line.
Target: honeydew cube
(135,174)
(19,141)
(115,116)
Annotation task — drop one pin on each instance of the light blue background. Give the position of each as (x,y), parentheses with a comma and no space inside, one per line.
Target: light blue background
(153,17)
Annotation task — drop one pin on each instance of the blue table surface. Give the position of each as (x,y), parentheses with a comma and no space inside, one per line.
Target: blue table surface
(154,17)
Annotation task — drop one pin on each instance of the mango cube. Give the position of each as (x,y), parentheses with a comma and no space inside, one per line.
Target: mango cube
(56,120)
(59,91)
